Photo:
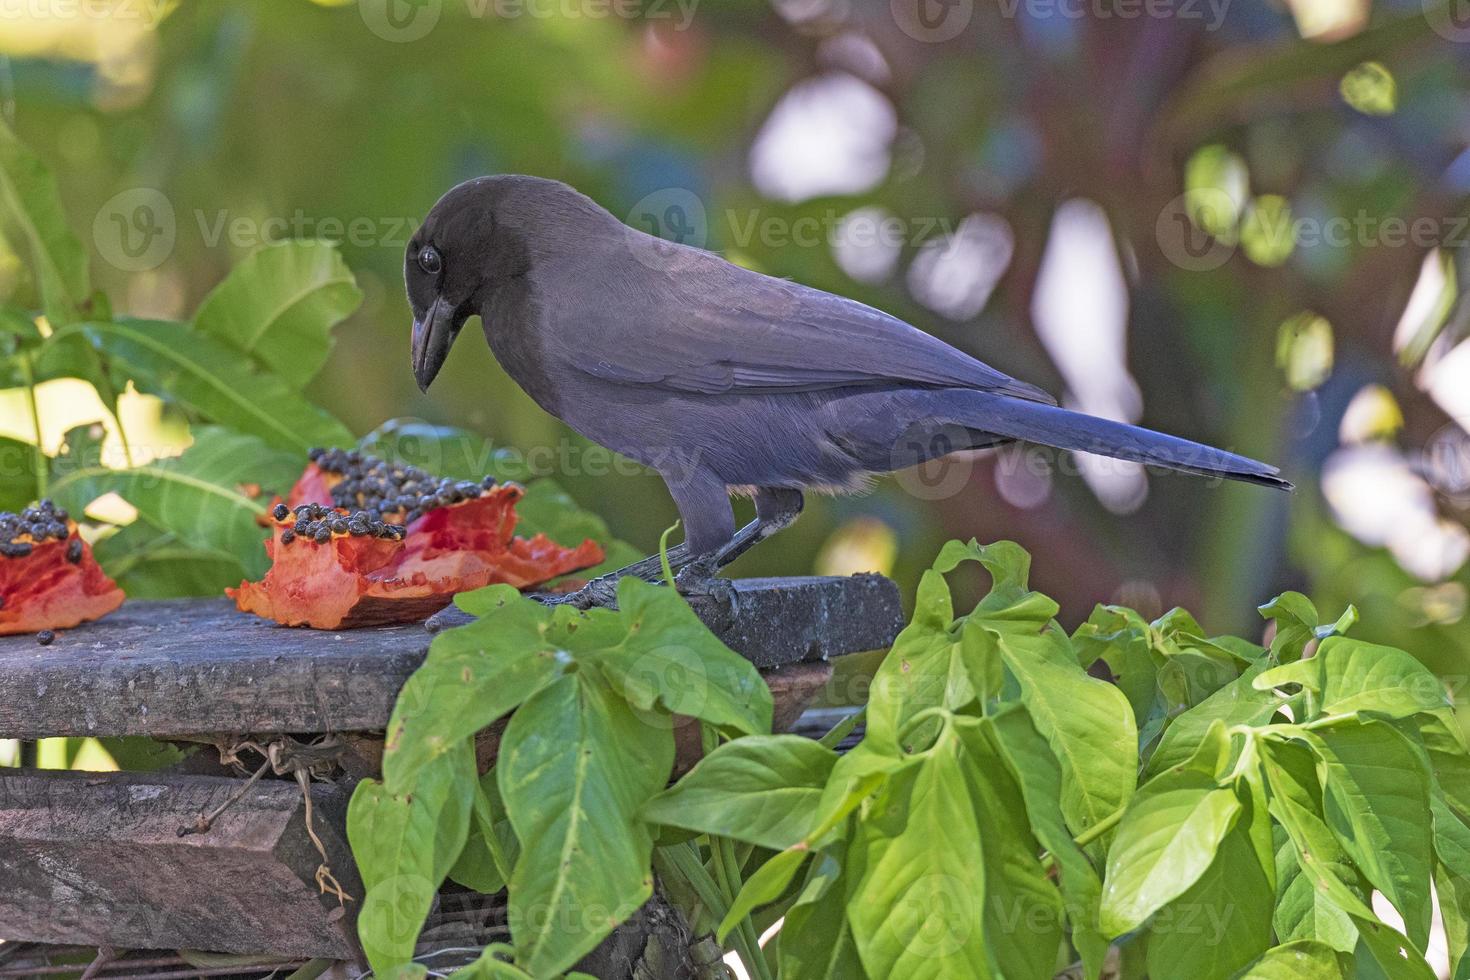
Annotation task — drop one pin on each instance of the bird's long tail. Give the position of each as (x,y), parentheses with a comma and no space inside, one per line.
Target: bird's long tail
(1060,428)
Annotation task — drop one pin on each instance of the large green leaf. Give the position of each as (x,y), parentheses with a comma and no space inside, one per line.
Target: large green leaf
(279,306)
(200,497)
(1302,911)
(1036,771)
(211,380)
(576,764)
(1348,676)
(1296,803)
(1299,960)
(1223,922)
(1376,796)
(1167,839)
(17,474)
(473,675)
(670,658)
(815,943)
(1237,703)
(149,563)
(917,900)
(405,845)
(1452,880)
(58,262)
(1087,722)
(762,789)
(1023,910)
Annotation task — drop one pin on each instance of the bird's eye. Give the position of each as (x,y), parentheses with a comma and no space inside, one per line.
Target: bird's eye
(429,260)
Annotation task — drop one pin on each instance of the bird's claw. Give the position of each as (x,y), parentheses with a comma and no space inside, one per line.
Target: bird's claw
(699,579)
(596,593)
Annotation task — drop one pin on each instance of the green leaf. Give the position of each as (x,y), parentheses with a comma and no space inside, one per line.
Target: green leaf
(1393,955)
(279,306)
(767,884)
(1036,771)
(1165,842)
(1296,625)
(404,846)
(211,380)
(1376,796)
(1223,921)
(149,563)
(669,657)
(490,851)
(1348,676)
(1303,912)
(1299,960)
(473,675)
(576,765)
(917,900)
(761,789)
(17,474)
(1452,880)
(815,943)
(1296,803)
(1023,911)
(200,496)
(1238,703)
(1087,722)
(58,261)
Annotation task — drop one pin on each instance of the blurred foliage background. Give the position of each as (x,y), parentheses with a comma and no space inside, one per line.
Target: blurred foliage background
(1235,220)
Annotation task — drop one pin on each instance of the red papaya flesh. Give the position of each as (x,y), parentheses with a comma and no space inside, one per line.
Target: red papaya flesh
(48,577)
(360,542)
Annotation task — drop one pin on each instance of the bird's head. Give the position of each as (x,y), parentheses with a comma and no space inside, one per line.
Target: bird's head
(480,235)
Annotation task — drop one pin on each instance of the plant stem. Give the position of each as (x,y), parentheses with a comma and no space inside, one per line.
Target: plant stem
(1098,829)
(42,468)
(844,728)
(727,872)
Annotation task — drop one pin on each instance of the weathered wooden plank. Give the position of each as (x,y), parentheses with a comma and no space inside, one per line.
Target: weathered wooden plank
(88,858)
(196,666)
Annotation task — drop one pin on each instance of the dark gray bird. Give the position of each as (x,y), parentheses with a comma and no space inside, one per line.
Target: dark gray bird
(722,380)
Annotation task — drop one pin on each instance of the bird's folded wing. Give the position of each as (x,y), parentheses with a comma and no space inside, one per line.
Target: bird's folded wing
(746,332)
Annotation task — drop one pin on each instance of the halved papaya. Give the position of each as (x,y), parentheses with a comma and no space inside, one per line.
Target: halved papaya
(48,577)
(362,542)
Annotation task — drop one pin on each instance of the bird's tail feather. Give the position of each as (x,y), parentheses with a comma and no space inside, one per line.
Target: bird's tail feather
(1060,428)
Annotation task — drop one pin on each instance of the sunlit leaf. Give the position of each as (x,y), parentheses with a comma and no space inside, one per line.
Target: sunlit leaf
(206,377)
(203,497)
(763,789)
(279,306)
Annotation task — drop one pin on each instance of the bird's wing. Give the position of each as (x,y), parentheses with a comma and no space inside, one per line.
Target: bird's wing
(721,328)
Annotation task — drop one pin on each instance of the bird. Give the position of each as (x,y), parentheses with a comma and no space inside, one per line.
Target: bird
(724,381)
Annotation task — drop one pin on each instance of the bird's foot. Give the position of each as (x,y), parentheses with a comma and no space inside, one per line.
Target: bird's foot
(701,578)
(600,593)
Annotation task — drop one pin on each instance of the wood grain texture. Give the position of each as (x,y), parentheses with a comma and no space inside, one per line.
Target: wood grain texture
(175,668)
(87,858)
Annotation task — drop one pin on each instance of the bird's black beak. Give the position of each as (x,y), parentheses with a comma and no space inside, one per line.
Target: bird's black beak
(432,338)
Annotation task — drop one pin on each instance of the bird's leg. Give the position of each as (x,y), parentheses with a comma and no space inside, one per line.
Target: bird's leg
(704,509)
(776,508)
(603,590)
